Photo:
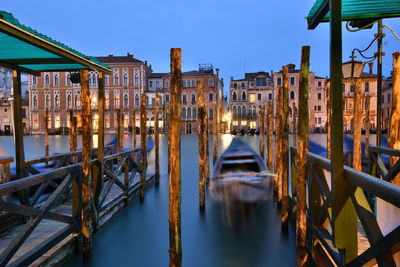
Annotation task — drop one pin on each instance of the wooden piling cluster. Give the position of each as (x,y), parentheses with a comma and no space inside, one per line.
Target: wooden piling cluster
(394,139)
(357,123)
(87,197)
(285,147)
(46,131)
(278,145)
(157,138)
(215,134)
(262,131)
(175,245)
(202,144)
(143,148)
(270,136)
(301,221)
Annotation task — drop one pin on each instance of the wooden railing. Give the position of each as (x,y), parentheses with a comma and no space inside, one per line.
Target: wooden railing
(320,218)
(376,164)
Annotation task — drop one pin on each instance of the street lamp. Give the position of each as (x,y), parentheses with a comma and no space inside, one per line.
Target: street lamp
(352,68)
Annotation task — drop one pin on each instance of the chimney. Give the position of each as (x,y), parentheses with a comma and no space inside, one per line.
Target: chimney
(231,78)
(145,62)
(130,56)
(150,66)
(217,70)
(371,65)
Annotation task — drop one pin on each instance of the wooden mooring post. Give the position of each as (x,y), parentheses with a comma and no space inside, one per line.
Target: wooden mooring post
(46,131)
(394,139)
(73,144)
(143,139)
(328,118)
(262,131)
(367,122)
(87,197)
(294,123)
(357,123)
(270,137)
(202,144)
(278,145)
(285,148)
(119,131)
(301,220)
(207,148)
(157,138)
(175,245)
(215,134)
(134,128)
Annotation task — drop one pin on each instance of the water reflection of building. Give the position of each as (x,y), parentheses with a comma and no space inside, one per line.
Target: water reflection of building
(6,113)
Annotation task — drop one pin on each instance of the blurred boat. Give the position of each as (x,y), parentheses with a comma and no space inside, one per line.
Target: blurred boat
(240,175)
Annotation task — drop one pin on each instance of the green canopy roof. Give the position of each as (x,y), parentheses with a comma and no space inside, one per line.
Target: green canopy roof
(354,10)
(23,48)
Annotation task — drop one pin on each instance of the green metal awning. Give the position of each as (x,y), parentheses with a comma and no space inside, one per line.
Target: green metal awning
(354,10)
(22,48)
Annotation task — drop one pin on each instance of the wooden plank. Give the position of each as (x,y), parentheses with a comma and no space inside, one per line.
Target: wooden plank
(175,243)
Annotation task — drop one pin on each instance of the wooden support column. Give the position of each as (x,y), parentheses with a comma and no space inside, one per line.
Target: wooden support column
(215,134)
(202,144)
(294,122)
(207,149)
(134,128)
(46,131)
(367,122)
(143,144)
(344,216)
(157,138)
(175,243)
(119,131)
(73,132)
(357,123)
(98,169)
(328,118)
(270,139)
(20,165)
(301,221)
(278,145)
(285,148)
(87,197)
(262,131)
(394,139)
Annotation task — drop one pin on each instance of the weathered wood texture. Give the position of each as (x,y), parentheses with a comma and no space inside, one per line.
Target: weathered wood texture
(270,137)
(294,122)
(119,131)
(87,197)
(357,123)
(134,128)
(175,245)
(285,148)
(301,221)
(143,144)
(278,145)
(202,143)
(207,149)
(328,118)
(394,139)
(157,138)
(215,134)
(262,131)
(46,131)
(367,122)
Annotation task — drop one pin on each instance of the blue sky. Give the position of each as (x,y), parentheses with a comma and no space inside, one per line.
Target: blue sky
(236,36)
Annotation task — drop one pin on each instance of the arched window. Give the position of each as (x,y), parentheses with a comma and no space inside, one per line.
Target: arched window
(244,96)
(126,79)
(47,79)
(116,79)
(137,100)
(211,96)
(189,113)
(234,110)
(292,94)
(117,103)
(210,114)
(255,111)
(366,88)
(183,113)
(234,96)
(125,100)
(194,115)
(69,101)
(239,111)
(136,79)
(57,100)
(77,101)
(250,110)
(210,82)
(35,100)
(94,79)
(48,100)
(56,80)
(68,81)
(193,98)
(107,100)
(352,87)
(244,110)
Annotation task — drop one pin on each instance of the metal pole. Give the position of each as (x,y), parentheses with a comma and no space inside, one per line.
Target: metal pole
(379,87)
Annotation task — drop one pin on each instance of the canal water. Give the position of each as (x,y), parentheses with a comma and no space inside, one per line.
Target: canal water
(138,236)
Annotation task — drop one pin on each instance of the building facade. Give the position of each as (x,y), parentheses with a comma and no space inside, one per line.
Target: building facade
(247,96)
(386,102)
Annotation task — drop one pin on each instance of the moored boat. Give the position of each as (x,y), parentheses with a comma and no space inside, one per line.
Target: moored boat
(240,175)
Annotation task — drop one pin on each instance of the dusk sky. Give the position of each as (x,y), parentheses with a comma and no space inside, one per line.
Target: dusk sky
(235,36)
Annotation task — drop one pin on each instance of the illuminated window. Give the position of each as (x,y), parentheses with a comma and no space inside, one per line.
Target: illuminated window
(252,98)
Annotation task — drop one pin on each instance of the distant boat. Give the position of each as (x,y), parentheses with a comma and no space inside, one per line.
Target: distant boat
(240,175)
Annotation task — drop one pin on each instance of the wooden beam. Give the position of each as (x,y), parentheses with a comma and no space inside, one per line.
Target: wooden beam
(87,194)
(19,68)
(175,243)
(319,15)
(34,40)
(38,61)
